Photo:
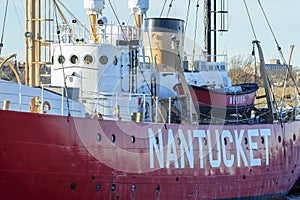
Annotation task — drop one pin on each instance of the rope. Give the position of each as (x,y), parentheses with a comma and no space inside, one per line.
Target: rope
(195,33)
(268,23)
(170,6)
(4,20)
(163,8)
(18,16)
(124,35)
(250,20)
(62,63)
(72,15)
(187,15)
(279,48)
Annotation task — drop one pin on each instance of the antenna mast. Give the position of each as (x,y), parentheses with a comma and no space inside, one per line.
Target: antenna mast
(208,23)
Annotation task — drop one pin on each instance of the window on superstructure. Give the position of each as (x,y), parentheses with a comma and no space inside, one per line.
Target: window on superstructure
(103,60)
(88,59)
(115,61)
(74,59)
(61,59)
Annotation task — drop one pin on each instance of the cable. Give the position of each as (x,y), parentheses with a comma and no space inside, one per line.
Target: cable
(195,33)
(74,17)
(4,20)
(62,63)
(124,35)
(278,47)
(19,21)
(170,6)
(163,8)
(187,15)
(250,20)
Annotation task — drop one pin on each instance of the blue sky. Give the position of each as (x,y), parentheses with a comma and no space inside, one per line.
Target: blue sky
(284,17)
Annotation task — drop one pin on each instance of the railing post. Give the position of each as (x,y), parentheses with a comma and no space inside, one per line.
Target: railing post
(156,109)
(296,104)
(42,98)
(191,111)
(169,120)
(20,96)
(62,101)
(144,107)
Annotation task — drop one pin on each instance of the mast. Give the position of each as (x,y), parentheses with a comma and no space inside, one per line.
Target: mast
(208,24)
(33,36)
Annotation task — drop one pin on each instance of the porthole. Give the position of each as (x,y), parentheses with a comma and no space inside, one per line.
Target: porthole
(225,141)
(113,138)
(103,60)
(98,137)
(98,187)
(262,140)
(115,61)
(73,186)
(179,141)
(205,141)
(157,140)
(113,187)
(88,59)
(132,139)
(294,137)
(61,59)
(74,59)
(157,188)
(279,139)
(246,141)
(133,188)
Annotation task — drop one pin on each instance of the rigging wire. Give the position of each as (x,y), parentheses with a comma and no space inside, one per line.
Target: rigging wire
(62,63)
(253,53)
(3,28)
(250,20)
(278,47)
(116,16)
(195,33)
(254,34)
(274,37)
(170,6)
(163,8)
(187,16)
(18,16)
(73,16)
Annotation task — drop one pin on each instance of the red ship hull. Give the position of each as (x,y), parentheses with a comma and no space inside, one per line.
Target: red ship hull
(51,157)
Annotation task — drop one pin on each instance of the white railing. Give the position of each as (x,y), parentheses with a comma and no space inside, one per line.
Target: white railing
(112,106)
(109,34)
(20,97)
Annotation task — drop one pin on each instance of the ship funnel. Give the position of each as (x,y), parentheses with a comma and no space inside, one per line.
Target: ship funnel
(164,42)
(94,10)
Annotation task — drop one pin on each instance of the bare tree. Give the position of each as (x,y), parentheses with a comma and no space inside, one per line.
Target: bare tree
(241,70)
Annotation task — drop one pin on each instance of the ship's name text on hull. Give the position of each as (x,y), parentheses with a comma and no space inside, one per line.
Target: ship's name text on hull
(213,147)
